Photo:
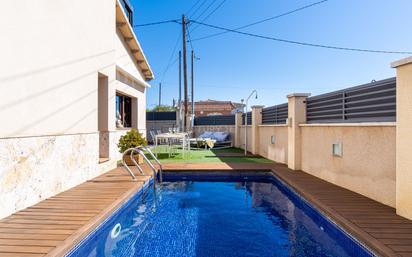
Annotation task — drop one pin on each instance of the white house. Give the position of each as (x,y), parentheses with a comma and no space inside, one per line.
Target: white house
(66,69)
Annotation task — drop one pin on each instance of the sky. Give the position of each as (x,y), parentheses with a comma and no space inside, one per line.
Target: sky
(230,66)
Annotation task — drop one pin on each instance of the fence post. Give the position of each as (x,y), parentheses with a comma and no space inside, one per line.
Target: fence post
(178,119)
(238,125)
(403,137)
(256,121)
(296,116)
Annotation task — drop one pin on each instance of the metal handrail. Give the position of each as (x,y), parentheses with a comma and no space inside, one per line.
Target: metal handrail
(133,160)
(139,151)
(157,161)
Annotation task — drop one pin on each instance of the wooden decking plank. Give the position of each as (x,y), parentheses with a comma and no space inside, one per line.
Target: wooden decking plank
(40,226)
(8,254)
(386,225)
(391,235)
(389,230)
(39,237)
(29,242)
(36,231)
(25,249)
(401,248)
(49,221)
(397,241)
(46,213)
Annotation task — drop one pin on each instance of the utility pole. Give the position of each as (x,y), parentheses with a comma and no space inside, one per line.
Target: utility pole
(160,94)
(184,69)
(192,90)
(180,91)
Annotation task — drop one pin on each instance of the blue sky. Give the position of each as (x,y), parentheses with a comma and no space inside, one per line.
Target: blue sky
(231,65)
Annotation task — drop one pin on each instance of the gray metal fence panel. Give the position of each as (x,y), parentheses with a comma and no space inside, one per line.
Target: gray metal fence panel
(249,118)
(160,115)
(215,120)
(372,102)
(275,114)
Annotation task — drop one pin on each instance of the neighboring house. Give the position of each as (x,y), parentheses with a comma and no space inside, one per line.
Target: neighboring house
(214,107)
(70,72)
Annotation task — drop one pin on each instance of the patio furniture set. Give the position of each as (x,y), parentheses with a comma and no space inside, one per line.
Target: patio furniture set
(173,140)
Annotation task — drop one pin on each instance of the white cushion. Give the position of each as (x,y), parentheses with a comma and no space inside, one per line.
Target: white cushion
(206,134)
(220,136)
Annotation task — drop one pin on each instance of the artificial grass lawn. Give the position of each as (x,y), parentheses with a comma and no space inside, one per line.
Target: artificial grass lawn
(211,156)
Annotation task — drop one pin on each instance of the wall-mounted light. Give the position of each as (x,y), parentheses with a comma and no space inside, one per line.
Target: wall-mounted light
(273,139)
(337,149)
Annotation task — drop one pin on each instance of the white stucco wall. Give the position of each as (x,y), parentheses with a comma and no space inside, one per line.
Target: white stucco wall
(49,66)
(130,79)
(51,55)
(51,52)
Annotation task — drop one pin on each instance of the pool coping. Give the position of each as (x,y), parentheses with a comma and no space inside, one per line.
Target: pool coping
(360,235)
(327,217)
(296,180)
(90,227)
(126,201)
(352,229)
(224,173)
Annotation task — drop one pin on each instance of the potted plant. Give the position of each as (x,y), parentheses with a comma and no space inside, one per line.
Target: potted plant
(131,139)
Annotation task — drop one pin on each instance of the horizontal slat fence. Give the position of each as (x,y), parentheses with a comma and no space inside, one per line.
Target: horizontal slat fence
(372,102)
(215,120)
(160,115)
(275,114)
(249,118)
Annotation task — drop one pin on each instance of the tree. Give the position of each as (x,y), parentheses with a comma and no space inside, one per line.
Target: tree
(162,108)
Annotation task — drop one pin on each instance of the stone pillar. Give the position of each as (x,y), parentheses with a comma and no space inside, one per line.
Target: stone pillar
(403,137)
(256,121)
(296,116)
(238,125)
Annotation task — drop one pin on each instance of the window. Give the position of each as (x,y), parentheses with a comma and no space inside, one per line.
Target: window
(123,111)
(128,9)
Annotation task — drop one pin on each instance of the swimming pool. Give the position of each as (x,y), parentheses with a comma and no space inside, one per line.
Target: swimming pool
(218,214)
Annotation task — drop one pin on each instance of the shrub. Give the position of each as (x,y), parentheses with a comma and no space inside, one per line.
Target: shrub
(130,140)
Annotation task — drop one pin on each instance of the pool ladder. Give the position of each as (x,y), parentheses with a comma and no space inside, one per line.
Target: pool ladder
(158,178)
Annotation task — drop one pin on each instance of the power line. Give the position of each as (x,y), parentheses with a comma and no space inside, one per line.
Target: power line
(274,88)
(205,10)
(193,6)
(264,20)
(155,23)
(171,61)
(199,7)
(302,43)
(190,39)
(169,66)
(212,12)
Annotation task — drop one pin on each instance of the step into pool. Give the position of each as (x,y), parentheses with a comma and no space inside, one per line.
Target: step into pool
(218,214)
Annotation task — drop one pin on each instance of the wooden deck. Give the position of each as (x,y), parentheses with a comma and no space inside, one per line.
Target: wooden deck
(374,224)
(53,226)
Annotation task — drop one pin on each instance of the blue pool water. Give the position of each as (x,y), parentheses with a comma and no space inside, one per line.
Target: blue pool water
(218,215)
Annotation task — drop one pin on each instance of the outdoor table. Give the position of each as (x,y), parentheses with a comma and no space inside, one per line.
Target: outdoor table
(169,137)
